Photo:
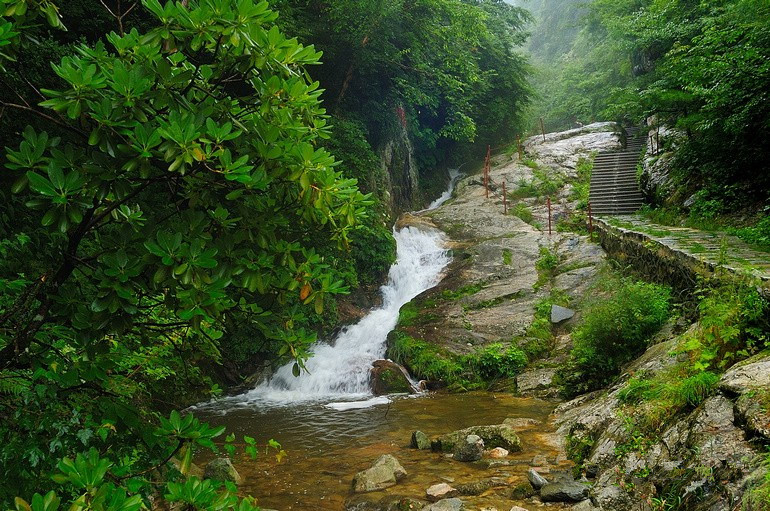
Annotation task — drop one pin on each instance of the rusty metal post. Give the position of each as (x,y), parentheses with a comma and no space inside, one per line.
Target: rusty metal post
(542,128)
(590,221)
(549,216)
(505,200)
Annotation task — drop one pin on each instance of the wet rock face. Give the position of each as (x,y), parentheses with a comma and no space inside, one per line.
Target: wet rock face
(385,472)
(387,377)
(453,504)
(535,479)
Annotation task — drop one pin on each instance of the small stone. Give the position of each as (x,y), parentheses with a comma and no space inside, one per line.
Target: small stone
(470,450)
(497,452)
(517,508)
(446,505)
(559,314)
(222,469)
(420,441)
(536,480)
(440,491)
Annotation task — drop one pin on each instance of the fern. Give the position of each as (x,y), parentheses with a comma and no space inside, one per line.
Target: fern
(13,383)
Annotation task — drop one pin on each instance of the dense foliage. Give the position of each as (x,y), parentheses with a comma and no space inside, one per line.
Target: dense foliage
(443,71)
(701,68)
(613,331)
(171,203)
(169,195)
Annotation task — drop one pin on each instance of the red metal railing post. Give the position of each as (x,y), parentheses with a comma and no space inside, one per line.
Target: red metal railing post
(549,216)
(505,200)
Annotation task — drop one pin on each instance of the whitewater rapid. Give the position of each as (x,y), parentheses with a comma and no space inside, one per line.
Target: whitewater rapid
(338,371)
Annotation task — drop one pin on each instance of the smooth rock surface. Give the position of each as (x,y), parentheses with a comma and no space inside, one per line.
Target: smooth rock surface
(387,377)
(559,313)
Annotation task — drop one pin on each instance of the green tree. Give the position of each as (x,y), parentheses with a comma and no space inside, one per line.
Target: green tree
(174,196)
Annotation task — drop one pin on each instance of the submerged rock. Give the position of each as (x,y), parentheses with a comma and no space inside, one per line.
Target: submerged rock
(470,450)
(500,435)
(446,505)
(385,472)
(222,469)
(420,440)
(387,377)
(565,491)
(535,479)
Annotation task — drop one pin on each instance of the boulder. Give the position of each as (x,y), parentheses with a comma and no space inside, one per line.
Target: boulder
(559,314)
(535,479)
(385,472)
(518,508)
(479,487)
(497,453)
(500,435)
(753,374)
(564,491)
(387,377)
(470,450)
(446,505)
(222,469)
(440,491)
(420,440)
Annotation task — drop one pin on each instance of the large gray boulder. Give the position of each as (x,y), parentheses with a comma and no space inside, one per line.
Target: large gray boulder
(222,469)
(385,472)
(565,491)
(470,450)
(500,435)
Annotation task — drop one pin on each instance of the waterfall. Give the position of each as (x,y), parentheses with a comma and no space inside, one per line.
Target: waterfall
(339,371)
(454,176)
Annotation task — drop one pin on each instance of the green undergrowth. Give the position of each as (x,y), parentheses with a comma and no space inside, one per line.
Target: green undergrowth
(544,182)
(523,212)
(757,498)
(546,266)
(733,324)
(617,323)
(458,372)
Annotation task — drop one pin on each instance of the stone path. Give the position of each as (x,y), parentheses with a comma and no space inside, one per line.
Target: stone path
(714,248)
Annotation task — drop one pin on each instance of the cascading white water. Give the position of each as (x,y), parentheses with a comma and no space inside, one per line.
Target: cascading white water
(340,371)
(454,176)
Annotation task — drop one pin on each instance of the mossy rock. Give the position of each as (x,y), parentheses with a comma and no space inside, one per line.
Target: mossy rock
(390,378)
(499,435)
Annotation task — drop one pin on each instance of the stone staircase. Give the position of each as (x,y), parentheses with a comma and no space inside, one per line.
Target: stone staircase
(614,187)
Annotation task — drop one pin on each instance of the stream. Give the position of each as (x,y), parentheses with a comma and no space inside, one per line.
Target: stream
(332,426)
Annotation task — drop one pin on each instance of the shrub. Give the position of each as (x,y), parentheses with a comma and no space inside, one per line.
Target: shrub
(522,211)
(496,361)
(612,332)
